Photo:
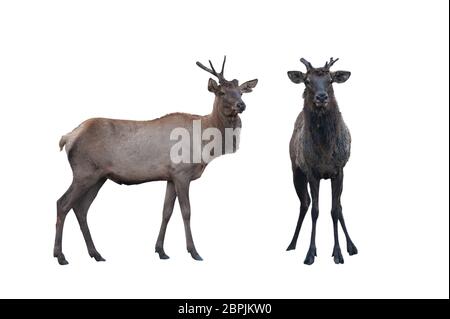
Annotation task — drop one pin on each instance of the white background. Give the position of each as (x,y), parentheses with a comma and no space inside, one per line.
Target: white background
(62,62)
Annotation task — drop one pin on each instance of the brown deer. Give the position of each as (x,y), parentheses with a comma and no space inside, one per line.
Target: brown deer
(319,149)
(134,152)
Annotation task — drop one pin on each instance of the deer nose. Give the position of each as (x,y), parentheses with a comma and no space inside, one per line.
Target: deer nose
(321,97)
(241,106)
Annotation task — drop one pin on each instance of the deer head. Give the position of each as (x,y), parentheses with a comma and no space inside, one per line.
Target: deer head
(228,93)
(319,82)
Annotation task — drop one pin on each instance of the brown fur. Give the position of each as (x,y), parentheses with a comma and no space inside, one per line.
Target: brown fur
(133,152)
(319,149)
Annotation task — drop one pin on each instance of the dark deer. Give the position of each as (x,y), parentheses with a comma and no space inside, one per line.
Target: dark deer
(134,152)
(319,149)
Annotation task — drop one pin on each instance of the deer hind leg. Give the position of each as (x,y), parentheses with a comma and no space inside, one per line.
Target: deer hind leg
(77,189)
(169,203)
(63,206)
(301,187)
(351,248)
(81,208)
(182,190)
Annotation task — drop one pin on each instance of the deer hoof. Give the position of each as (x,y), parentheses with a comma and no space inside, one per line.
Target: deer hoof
(162,255)
(196,256)
(338,259)
(351,249)
(310,256)
(291,247)
(98,257)
(62,260)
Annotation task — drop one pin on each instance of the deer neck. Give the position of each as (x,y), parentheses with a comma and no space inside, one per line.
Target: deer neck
(220,121)
(323,126)
(228,126)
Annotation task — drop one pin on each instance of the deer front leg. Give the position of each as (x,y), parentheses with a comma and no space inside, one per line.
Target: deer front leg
(182,190)
(336,211)
(314,184)
(169,202)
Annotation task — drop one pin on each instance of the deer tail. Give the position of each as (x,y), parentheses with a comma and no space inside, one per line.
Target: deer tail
(62,142)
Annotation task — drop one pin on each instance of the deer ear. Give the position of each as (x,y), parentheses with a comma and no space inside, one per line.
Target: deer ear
(248,86)
(296,76)
(213,86)
(340,76)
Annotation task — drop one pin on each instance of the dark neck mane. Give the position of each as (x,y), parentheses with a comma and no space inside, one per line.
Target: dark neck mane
(323,126)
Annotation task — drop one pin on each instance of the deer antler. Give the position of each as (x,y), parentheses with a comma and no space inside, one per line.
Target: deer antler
(213,71)
(307,64)
(330,63)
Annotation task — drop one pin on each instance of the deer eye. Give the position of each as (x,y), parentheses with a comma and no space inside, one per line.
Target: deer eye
(307,82)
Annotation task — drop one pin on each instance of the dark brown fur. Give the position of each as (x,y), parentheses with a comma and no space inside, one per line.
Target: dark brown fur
(319,149)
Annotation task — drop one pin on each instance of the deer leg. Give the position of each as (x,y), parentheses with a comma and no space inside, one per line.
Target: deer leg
(169,203)
(63,206)
(182,190)
(301,187)
(336,211)
(314,185)
(351,248)
(81,208)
